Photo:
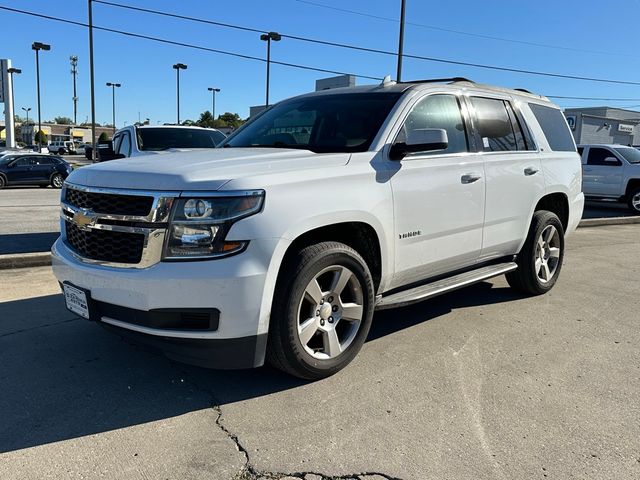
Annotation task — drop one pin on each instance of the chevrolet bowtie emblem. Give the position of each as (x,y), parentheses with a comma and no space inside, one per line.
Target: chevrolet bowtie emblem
(84,219)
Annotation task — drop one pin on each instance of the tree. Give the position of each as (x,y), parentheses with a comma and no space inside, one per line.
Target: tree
(189,123)
(103,137)
(231,119)
(40,138)
(206,120)
(63,120)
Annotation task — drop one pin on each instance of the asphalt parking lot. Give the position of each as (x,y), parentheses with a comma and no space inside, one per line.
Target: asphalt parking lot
(477,384)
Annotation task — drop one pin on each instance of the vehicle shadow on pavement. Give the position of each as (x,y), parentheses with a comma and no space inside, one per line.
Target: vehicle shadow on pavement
(27,242)
(62,377)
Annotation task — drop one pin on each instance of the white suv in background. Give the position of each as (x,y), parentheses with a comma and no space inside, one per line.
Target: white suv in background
(135,141)
(281,244)
(611,172)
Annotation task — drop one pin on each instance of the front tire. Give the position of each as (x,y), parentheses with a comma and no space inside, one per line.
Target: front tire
(3,181)
(57,180)
(634,201)
(322,311)
(540,260)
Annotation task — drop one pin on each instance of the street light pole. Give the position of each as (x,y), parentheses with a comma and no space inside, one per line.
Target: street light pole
(213,100)
(37,46)
(74,71)
(268,37)
(401,40)
(178,67)
(113,101)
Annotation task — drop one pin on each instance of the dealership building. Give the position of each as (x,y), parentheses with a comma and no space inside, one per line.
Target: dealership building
(604,125)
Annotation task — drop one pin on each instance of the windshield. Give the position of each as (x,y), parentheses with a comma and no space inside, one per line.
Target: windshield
(345,122)
(156,139)
(632,155)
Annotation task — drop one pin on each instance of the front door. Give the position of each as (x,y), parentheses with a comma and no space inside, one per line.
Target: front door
(438,196)
(21,170)
(602,173)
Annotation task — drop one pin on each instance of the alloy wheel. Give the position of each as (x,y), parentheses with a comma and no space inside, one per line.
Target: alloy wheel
(635,202)
(330,312)
(58,181)
(547,257)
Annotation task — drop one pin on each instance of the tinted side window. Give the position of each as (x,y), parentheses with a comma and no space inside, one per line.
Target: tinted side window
(125,145)
(24,162)
(44,161)
(555,128)
(597,156)
(438,111)
(494,125)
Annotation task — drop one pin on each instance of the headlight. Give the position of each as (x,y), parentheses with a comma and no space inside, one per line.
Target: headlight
(199,225)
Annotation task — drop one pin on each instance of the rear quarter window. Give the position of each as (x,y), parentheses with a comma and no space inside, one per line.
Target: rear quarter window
(555,128)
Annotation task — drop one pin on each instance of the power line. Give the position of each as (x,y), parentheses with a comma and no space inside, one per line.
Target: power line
(383,52)
(304,67)
(182,44)
(595,98)
(461,32)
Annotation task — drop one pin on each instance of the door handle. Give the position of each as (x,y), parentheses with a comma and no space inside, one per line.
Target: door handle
(470,178)
(530,171)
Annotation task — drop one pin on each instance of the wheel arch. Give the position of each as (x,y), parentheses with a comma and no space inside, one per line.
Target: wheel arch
(557,203)
(632,184)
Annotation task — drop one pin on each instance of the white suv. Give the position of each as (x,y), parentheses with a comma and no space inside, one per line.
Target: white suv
(611,172)
(282,243)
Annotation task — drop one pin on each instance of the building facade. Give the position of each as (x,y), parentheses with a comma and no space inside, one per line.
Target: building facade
(604,125)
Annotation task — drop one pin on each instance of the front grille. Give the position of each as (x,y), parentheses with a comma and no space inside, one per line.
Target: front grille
(108,203)
(105,245)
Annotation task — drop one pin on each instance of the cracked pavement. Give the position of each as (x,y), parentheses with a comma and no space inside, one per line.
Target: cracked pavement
(480,383)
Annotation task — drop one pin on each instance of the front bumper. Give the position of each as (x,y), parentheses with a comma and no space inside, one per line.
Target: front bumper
(231,286)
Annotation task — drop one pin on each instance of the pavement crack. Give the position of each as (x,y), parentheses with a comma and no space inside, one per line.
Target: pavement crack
(30,329)
(248,471)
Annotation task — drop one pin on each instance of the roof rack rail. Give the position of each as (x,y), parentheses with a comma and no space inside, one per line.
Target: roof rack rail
(522,90)
(440,80)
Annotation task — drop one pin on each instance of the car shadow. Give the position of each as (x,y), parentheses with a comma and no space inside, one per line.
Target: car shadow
(61,377)
(27,242)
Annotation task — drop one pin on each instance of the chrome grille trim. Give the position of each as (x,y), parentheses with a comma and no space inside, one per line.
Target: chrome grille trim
(154,233)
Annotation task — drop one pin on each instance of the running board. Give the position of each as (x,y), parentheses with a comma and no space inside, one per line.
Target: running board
(423,292)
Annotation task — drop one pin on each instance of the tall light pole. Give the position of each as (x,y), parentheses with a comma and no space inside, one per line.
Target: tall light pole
(37,46)
(11,71)
(74,72)
(268,37)
(213,100)
(27,110)
(401,41)
(178,67)
(91,82)
(113,102)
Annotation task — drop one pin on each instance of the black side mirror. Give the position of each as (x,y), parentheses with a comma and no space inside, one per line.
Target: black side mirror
(420,140)
(105,152)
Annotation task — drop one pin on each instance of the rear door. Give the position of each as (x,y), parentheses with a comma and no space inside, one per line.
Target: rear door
(602,173)
(514,179)
(43,168)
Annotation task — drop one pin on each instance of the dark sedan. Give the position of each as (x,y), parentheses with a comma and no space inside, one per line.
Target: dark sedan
(33,169)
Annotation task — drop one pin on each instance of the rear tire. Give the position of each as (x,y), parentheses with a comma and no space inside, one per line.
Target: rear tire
(61,151)
(540,260)
(3,181)
(634,201)
(322,311)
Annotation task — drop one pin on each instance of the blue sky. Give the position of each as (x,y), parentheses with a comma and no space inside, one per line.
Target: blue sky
(144,67)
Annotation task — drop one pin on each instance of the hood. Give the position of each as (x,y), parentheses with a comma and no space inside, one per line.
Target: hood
(206,169)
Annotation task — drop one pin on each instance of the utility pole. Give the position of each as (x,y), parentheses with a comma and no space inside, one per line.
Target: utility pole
(401,40)
(178,67)
(93,97)
(37,46)
(113,101)
(6,96)
(213,100)
(74,71)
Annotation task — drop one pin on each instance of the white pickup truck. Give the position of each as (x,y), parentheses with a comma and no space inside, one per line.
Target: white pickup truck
(281,244)
(611,172)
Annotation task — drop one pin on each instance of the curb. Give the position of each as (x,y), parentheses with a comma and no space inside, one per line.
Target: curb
(601,222)
(22,260)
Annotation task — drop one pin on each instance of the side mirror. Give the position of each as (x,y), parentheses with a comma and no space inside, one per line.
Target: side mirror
(420,140)
(105,152)
(613,160)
